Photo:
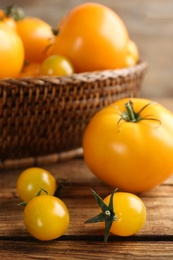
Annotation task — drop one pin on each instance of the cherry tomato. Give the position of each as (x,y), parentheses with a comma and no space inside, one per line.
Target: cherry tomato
(92,37)
(129,144)
(130,213)
(11,52)
(36,35)
(122,214)
(56,65)
(31,180)
(46,217)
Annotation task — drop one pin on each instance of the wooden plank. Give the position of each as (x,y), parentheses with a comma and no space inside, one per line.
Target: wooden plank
(73,250)
(81,189)
(159,217)
(74,171)
(77,176)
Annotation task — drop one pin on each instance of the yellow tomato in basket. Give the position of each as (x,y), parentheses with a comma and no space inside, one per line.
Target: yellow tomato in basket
(93,37)
(132,56)
(56,65)
(11,52)
(37,37)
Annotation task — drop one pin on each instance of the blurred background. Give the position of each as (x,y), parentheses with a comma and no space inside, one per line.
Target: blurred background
(149,23)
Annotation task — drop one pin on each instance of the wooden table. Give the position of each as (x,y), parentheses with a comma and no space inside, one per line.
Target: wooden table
(85,241)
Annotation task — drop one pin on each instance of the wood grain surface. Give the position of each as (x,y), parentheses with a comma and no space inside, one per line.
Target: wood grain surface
(85,241)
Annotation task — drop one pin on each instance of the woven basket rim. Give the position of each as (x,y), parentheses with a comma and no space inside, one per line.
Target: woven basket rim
(82,77)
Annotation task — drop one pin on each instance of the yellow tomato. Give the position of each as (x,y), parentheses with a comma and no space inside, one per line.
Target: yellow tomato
(11,52)
(121,213)
(56,65)
(92,37)
(46,217)
(129,144)
(31,180)
(132,56)
(130,212)
(37,36)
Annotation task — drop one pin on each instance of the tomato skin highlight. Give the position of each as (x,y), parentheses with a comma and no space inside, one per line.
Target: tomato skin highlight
(46,217)
(133,156)
(92,37)
(130,213)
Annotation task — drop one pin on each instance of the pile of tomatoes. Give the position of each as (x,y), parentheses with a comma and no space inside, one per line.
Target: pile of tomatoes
(90,37)
(46,217)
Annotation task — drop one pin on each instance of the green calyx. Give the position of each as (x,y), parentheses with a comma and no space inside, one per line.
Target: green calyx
(24,203)
(107,215)
(131,116)
(15,12)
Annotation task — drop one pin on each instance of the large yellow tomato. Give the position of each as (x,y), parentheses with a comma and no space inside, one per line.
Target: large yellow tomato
(92,37)
(11,52)
(129,144)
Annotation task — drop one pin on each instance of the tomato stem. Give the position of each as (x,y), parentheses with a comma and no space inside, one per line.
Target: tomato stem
(40,191)
(131,116)
(130,112)
(107,215)
(15,12)
(23,203)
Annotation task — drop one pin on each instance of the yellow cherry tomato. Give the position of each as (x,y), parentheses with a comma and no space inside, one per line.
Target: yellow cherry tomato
(130,213)
(122,213)
(46,217)
(56,65)
(31,180)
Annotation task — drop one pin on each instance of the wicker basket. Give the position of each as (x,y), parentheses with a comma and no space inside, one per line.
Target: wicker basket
(43,119)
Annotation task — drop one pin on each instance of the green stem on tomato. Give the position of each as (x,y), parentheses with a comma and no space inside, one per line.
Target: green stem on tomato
(107,215)
(131,116)
(15,12)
